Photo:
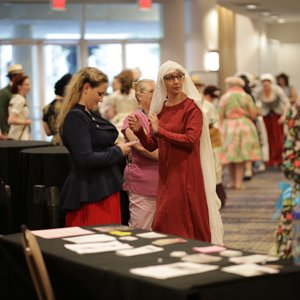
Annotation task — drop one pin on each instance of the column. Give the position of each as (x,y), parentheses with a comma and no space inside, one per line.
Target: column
(172,45)
(201,32)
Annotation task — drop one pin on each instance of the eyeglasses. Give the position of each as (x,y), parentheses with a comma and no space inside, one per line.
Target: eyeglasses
(179,77)
(148,92)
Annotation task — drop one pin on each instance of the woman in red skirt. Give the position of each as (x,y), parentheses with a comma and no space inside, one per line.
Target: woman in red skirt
(274,104)
(90,195)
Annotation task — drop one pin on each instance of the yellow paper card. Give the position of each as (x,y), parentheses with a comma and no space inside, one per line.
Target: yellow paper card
(120,233)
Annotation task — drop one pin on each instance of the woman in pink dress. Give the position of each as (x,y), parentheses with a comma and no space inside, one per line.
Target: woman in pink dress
(187,203)
(240,138)
(141,172)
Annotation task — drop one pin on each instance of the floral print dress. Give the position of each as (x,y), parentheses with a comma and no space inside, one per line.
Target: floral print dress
(291,152)
(240,138)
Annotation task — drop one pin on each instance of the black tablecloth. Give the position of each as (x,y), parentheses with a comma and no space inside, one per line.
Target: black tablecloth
(107,276)
(9,173)
(48,166)
(9,157)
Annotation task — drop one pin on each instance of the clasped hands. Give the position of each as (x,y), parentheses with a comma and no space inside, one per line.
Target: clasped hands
(135,123)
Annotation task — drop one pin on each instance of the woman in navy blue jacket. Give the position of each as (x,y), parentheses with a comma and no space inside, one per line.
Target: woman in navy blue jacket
(90,194)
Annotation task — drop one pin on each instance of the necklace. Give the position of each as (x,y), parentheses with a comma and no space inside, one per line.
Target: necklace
(142,110)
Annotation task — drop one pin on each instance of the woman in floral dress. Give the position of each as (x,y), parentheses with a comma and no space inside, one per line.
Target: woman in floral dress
(240,138)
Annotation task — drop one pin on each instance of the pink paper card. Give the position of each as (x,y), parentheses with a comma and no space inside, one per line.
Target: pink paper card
(61,232)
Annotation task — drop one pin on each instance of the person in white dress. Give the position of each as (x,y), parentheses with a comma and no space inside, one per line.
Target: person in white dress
(18,117)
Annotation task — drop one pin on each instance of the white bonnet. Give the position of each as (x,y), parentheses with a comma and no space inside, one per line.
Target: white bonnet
(267,76)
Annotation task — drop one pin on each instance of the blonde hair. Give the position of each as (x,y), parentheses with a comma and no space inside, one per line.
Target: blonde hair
(92,76)
(140,87)
(234,81)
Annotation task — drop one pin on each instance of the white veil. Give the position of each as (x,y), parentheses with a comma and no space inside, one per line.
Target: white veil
(206,153)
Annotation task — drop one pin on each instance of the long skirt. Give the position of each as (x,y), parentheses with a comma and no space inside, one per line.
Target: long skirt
(105,211)
(275,139)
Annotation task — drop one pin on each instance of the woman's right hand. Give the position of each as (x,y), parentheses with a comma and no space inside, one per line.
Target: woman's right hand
(126,147)
(134,123)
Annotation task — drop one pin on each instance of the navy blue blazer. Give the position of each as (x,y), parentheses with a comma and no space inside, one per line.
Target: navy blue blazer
(96,160)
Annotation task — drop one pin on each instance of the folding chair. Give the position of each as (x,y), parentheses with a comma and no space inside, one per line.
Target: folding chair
(36,265)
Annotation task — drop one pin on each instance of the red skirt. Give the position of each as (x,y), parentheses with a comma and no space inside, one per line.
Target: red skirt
(106,211)
(275,139)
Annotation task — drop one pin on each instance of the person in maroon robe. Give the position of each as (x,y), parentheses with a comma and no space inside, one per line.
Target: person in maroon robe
(187,204)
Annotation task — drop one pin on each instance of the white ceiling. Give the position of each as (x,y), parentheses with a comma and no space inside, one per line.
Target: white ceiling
(289,10)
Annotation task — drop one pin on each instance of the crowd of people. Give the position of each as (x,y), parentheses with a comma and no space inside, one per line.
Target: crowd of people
(166,143)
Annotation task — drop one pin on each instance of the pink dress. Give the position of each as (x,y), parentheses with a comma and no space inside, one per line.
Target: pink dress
(141,177)
(141,182)
(240,137)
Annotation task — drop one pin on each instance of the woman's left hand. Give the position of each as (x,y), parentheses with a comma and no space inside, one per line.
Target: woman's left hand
(281,119)
(153,121)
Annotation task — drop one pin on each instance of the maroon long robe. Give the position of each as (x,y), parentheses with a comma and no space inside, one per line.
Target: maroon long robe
(181,201)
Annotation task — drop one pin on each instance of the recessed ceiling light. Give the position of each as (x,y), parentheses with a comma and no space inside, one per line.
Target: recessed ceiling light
(251,6)
(281,21)
(266,14)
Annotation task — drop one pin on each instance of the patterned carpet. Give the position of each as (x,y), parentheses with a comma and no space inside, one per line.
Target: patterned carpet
(247,215)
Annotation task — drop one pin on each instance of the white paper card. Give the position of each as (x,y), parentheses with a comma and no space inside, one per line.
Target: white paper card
(128,238)
(140,250)
(97,247)
(248,270)
(113,228)
(151,235)
(201,258)
(253,259)
(172,270)
(92,238)
(231,253)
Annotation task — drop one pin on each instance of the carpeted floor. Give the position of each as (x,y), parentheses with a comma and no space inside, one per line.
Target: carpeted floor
(247,215)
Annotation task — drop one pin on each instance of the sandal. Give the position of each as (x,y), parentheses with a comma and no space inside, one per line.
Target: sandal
(241,187)
(230,186)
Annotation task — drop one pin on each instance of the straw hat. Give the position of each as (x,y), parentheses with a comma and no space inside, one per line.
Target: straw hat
(15,69)
(196,80)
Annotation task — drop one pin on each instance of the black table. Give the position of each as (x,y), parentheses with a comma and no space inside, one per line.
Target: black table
(46,166)
(9,157)
(9,167)
(107,276)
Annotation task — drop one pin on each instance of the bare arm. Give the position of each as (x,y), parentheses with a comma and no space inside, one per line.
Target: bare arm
(47,129)
(284,99)
(294,95)
(13,119)
(132,137)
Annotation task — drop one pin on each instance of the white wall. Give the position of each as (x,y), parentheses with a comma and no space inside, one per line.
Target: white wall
(201,32)
(289,63)
(263,48)
(172,45)
(247,45)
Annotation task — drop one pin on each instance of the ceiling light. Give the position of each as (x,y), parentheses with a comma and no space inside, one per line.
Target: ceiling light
(274,17)
(251,6)
(281,21)
(266,14)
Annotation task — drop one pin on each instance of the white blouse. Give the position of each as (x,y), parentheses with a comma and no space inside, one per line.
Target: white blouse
(18,105)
